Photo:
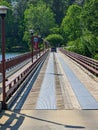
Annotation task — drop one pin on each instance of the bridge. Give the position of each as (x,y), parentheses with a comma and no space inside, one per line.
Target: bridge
(61,81)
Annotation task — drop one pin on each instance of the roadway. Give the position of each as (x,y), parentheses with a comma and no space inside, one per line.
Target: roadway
(62,85)
(63,97)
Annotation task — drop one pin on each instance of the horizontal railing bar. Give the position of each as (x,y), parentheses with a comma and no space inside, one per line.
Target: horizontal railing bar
(17,60)
(15,85)
(88,63)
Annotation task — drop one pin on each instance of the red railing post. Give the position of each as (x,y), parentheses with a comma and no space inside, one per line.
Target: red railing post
(32,48)
(3,61)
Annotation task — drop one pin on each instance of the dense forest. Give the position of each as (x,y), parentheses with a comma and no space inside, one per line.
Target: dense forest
(72,24)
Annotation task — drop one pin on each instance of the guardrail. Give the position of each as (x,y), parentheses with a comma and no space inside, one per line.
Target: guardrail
(14,85)
(90,64)
(17,60)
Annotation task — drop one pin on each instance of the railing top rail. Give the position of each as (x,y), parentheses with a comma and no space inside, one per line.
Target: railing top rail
(17,60)
(88,63)
(96,61)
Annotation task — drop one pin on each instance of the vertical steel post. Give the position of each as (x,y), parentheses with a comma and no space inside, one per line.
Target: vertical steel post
(32,32)
(32,47)
(44,45)
(3,61)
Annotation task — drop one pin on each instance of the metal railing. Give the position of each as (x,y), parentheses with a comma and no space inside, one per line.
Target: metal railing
(17,60)
(90,64)
(12,86)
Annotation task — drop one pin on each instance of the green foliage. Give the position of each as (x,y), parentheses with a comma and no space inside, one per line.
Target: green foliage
(89,18)
(96,56)
(73,23)
(55,30)
(4,2)
(59,8)
(76,46)
(80,28)
(55,40)
(41,20)
(71,28)
(89,43)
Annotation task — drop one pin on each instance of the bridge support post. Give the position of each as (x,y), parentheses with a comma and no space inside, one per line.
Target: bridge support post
(32,39)
(3,11)
(3,62)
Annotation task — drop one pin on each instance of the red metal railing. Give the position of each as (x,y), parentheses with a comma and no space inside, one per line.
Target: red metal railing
(17,60)
(88,63)
(13,85)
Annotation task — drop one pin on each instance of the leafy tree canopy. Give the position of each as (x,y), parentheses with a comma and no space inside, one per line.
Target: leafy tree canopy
(55,40)
(80,28)
(70,26)
(4,2)
(40,18)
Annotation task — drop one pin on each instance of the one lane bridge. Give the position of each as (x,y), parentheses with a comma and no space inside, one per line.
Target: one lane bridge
(79,94)
(62,85)
(56,82)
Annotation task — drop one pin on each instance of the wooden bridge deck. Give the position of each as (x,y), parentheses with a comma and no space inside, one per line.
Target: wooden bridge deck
(62,84)
(69,113)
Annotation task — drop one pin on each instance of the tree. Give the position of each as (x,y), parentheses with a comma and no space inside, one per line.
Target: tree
(59,8)
(4,2)
(15,25)
(19,21)
(8,21)
(48,2)
(80,28)
(71,27)
(90,16)
(89,19)
(40,18)
(56,40)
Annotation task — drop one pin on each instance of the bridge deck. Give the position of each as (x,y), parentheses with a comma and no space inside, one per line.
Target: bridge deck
(69,83)
(62,85)
(47,96)
(86,100)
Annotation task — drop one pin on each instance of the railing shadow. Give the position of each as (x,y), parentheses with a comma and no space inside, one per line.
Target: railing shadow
(10,120)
